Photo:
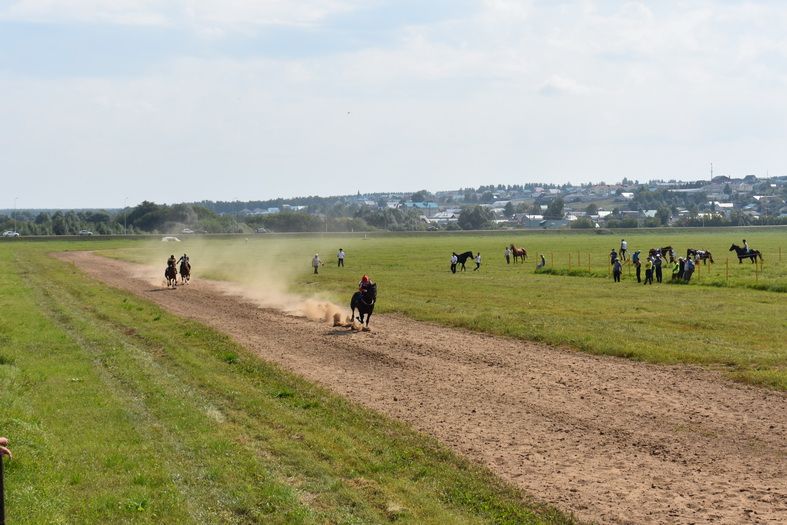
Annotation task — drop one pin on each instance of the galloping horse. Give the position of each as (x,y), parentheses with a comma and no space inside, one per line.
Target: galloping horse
(665,251)
(171,274)
(185,272)
(743,254)
(702,255)
(364,303)
(463,257)
(518,253)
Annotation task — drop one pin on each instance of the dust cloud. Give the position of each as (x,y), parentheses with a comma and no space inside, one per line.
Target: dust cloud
(255,270)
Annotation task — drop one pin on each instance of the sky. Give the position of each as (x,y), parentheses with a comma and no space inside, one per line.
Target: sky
(106,103)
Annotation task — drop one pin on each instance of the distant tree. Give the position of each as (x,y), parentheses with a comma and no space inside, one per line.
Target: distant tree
(582,223)
(487,197)
(535,209)
(509,211)
(421,196)
(555,209)
(663,215)
(475,218)
(592,209)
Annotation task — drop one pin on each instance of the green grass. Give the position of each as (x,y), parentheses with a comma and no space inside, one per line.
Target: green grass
(121,413)
(717,321)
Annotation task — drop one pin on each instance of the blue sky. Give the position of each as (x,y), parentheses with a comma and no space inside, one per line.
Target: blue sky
(111,102)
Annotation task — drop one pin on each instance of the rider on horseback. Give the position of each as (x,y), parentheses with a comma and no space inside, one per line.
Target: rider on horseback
(364,285)
(185,260)
(171,261)
(746,246)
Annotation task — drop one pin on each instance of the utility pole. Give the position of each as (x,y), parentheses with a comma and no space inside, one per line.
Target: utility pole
(15,199)
(125,214)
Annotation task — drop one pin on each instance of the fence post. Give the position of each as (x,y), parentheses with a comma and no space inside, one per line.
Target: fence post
(727,272)
(780,254)
(756,274)
(588,263)
(569,262)
(552,259)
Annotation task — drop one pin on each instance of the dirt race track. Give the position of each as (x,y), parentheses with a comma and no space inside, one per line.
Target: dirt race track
(611,440)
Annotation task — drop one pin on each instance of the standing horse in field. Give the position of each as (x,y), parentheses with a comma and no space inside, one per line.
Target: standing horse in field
(666,251)
(463,257)
(185,272)
(743,254)
(364,303)
(171,274)
(518,253)
(699,255)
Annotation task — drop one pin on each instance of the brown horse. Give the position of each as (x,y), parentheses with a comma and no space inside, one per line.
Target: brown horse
(518,253)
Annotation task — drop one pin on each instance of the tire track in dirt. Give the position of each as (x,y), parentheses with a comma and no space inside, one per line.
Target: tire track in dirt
(611,440)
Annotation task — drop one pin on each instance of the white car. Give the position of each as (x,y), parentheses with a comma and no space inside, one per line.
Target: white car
(85,232)
(169,238)
(187,230)
(10,233)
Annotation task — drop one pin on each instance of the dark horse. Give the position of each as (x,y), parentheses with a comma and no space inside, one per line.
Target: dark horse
(364,303)
(518,253)
(185,272)
(171,273)
(664,252)
(743,254)
(462,258)
(702,255)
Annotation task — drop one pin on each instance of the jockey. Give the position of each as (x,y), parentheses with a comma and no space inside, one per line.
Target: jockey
(171,261)
(185,259)
(364,284)
(746,246)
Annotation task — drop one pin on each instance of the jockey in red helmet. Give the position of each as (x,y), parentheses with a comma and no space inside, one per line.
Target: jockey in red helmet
(364,285)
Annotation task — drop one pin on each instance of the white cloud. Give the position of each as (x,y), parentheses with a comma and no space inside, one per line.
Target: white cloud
(206,16)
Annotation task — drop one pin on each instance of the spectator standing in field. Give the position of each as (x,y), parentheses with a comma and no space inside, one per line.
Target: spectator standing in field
(542,262)
(617,268)
(657,263)
(638,265)
(688,269)
(623,248)
(676,269)
(454,261)
(508,255)
(613,256)
(316,262)
(648,271)
(477,262)
(340,258)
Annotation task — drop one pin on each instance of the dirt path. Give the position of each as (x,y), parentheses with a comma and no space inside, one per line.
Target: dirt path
(610,440)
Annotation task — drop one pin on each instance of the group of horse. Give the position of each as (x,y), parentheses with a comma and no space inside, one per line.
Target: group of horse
(705,255)
(171,274)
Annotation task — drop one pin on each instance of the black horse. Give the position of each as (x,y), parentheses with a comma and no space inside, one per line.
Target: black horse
(171,274)
(743,254)
(665,251)
(702,255)
(185,272)
(463,257)
(364,303)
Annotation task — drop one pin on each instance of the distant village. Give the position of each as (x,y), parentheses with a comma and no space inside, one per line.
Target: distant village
(722,200)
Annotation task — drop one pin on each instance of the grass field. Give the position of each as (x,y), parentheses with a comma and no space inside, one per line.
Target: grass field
(736,323)
(121,413)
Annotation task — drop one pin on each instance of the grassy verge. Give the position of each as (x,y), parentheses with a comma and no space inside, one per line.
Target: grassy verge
(120,413)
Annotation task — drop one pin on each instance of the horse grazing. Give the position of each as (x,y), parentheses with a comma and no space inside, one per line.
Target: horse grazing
(171,274)
(185,272)
(463,257)
(364,303)
(518,253)
(665,251)
(699,255)
(743,254)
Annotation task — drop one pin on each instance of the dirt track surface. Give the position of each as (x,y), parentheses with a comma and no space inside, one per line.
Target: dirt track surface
(611,440)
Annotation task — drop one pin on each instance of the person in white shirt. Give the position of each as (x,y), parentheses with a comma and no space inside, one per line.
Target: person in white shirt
(316,262)
(477,261)
(508,255)
(454,261)
(623,248)
(340,257)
